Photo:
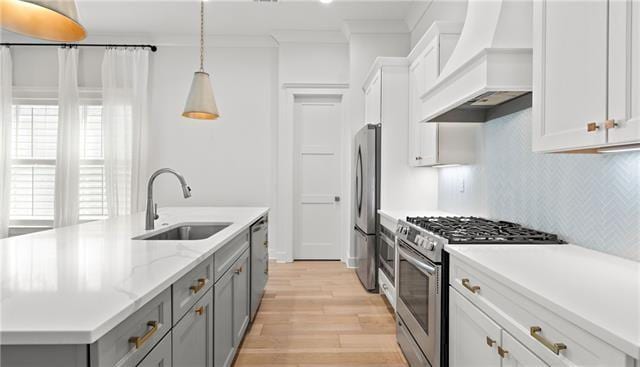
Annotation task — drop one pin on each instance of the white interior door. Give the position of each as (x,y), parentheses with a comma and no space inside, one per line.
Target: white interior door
(318,133)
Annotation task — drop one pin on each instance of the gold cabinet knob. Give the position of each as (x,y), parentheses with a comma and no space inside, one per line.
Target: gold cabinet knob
(503,353)
(200,310)
(610,124)
(490,342)
(201,284)
(592,126)
(238,270)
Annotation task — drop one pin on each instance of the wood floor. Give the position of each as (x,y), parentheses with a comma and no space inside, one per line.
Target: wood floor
(316,313)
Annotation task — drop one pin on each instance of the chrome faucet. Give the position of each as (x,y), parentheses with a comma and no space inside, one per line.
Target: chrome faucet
(152,208)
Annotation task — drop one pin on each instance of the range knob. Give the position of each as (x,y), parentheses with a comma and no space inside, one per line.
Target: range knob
(430,245)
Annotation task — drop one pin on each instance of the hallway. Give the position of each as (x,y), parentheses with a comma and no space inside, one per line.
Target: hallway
(316,313)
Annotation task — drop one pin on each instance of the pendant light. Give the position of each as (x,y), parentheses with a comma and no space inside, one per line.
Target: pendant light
(51,20)
(201,104)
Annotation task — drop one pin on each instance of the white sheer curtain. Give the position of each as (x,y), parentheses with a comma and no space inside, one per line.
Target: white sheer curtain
(6,89)
(67,191)
(125,75)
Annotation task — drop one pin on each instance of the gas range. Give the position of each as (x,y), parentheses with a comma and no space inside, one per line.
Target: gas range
(428,235)
(422,279)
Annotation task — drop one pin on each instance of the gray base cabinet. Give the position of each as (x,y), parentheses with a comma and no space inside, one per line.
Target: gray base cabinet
(223,348)
(259,262)
(231,310)
(160,355)
(193,335)
(199,321)
(241,298)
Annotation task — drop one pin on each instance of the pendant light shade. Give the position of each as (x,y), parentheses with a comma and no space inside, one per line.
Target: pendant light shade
(201,104)
(51,20)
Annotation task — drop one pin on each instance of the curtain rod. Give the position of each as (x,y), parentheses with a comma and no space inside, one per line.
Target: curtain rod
(153,48)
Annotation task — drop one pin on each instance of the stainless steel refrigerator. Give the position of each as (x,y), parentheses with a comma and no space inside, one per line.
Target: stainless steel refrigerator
(367,202)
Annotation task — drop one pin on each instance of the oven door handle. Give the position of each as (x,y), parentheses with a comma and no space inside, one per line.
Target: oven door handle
(425,268)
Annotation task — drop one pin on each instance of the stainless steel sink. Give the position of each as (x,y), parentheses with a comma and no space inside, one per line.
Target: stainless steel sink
(185,232)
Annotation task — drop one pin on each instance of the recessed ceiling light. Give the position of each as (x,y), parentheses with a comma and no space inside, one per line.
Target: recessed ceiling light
(326,1)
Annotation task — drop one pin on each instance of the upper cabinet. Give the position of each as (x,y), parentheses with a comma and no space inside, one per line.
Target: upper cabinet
(432,144)
(586,75)
(373,99)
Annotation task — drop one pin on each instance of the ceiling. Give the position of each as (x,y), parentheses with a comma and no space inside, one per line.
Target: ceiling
(235,17)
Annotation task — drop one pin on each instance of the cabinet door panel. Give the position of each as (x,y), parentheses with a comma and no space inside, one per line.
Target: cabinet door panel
(469,329)
(416,75)
(241,298)
(224,349)
(193,335)
(570,77)
(160,355)
(624,71)
(517,355)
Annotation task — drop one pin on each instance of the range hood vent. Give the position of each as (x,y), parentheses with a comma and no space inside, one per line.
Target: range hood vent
(489,73)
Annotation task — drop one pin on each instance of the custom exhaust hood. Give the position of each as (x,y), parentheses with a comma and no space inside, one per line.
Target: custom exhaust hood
(489,73)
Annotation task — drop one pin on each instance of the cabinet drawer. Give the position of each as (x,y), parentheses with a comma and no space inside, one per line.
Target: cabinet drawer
(227,255)
(132,339)
(188,289)
(517,314)
(160,356)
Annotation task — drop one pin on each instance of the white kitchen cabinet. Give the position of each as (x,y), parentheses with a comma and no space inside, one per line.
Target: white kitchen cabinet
(432,144)
(585,75)
(515,354)
(530,334)
(624,72)
(373,100)
(473,337)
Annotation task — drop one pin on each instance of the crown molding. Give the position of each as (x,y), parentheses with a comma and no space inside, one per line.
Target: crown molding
(297,36)
(315,86)
(351,27)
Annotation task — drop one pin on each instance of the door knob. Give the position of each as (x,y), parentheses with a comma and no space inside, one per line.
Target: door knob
(336,199)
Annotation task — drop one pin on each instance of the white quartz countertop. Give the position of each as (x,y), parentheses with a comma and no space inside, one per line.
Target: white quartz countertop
(396,214)
(598,292)
(73,284)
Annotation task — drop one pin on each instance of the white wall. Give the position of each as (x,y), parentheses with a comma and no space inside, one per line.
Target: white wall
(225,161)
(313,62)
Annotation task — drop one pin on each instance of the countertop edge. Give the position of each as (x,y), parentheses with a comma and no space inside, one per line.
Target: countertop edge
(76,337)
(629,347)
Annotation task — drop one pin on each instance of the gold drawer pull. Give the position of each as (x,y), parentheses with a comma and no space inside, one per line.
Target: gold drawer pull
(201,283)
(473,289)
(266,243)
(554,347)
(490,342)
(140,340)
(503,353)
(200,310)
(610,124)
(238,270)
(592,126)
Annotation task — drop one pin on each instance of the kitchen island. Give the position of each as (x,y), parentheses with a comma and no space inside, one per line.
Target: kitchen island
(65,290)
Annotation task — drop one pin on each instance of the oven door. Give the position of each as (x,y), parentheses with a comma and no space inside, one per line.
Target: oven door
(387,255)
(419,300)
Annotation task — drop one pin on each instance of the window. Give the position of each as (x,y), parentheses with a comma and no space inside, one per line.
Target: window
(34,136)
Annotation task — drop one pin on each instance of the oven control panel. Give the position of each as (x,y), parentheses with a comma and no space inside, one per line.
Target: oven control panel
(422,241)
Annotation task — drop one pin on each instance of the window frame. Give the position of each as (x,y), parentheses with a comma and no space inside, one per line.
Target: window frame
(49,96)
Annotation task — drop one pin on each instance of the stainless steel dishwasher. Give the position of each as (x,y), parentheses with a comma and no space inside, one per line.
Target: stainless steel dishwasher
(259,262)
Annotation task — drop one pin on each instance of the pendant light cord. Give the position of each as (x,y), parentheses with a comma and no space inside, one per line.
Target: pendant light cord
(202,35)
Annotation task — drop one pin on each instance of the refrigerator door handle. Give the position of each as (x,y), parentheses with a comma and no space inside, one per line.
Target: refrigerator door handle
(359,181)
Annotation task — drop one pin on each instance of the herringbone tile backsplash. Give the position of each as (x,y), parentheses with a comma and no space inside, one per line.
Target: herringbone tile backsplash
(589,200)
